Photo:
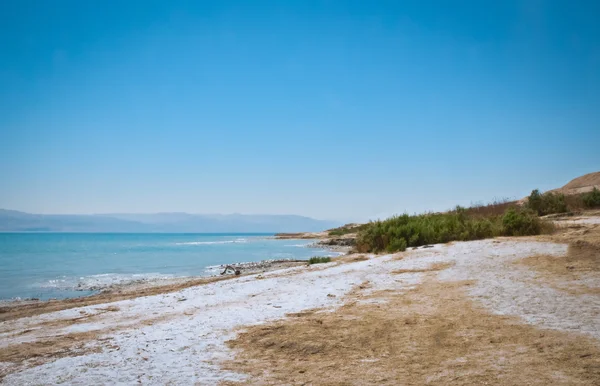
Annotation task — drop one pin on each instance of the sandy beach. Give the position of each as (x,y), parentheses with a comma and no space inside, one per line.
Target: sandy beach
(288,324)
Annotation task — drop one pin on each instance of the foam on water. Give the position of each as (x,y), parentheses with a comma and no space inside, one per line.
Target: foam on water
(236,241)
(101,281)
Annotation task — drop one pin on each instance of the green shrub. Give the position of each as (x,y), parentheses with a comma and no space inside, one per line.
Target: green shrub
(319,260)
(591,199)
(534,201)
(399,232)
(397,245)
(547,203)
(520,222)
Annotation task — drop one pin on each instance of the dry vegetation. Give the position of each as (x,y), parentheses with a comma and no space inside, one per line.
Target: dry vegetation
(578,271)
(44,341)
(430,335)
(582,258)
(50,349)
(494,208)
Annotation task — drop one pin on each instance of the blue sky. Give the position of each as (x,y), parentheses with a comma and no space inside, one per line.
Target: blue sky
(342,110)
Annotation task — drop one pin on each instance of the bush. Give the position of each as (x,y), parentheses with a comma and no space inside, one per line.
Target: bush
(399,232)
(319,260)
(547,203)
(520,222)
(591,199)
(397,245)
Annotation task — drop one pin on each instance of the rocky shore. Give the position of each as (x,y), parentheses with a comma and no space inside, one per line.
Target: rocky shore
(143,287)
(253,267)
(343,243)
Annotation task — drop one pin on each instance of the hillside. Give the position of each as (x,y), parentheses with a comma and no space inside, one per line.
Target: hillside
(581,184)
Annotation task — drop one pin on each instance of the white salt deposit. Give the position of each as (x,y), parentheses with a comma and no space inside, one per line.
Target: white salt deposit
(186,343)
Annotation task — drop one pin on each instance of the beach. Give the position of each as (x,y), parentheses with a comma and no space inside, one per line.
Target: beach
(58,266)
(209,332)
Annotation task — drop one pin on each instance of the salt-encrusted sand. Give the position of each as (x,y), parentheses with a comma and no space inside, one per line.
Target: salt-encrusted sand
(180,337)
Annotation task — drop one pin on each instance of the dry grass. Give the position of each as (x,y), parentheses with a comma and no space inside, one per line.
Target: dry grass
(30,354)
(582,262)
(430,335)
(51,348)
(581,258)
(352,258)
(496,208)
(432,268)
(571,233)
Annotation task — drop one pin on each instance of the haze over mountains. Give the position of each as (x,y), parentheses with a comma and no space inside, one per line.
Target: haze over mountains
(15,221)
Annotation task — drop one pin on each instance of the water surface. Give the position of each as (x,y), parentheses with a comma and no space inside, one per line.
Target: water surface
(60,265)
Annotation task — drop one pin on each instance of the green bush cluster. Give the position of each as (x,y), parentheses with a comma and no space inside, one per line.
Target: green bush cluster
(319,260)
(399,232)
(522,222)
(591,199)
(547,203)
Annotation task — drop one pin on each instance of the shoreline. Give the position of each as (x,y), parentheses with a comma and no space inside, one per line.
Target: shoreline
(17,308)
(12,309)
(221,330)
(146,283)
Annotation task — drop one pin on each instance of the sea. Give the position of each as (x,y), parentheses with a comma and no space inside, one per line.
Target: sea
(66,265)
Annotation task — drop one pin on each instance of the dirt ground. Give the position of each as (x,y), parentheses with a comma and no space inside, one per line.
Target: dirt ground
(433,334)
(578,272)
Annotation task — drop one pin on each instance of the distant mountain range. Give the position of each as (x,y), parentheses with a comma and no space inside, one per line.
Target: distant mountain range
(15,221)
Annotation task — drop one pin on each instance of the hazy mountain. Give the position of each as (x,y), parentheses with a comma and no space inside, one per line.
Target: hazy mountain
(11,220)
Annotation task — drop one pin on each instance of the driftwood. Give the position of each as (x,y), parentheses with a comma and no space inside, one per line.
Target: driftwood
(234,269)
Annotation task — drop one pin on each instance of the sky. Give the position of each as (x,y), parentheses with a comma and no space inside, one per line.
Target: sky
(343,110)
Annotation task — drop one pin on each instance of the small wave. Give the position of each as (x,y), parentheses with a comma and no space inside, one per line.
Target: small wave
(298,245)
(101,281)
(236,241)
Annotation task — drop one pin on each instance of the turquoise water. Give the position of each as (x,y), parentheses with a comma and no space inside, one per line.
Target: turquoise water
(62,265)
